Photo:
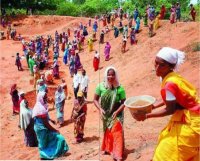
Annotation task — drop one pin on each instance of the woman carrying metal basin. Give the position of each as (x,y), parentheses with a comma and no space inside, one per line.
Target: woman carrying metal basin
(179,140)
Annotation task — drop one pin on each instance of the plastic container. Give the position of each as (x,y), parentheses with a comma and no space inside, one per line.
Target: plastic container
(140,104)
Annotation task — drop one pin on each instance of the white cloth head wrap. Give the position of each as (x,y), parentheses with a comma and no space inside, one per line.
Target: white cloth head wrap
(97,55)
(21,93)
(40,107)
(172,56)
(116,82)
(25,115)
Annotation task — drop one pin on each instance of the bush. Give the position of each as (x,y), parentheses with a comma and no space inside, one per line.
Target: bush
(87,10)
(20,11)
(67,8)
(45,12)
(196,47)
(16,11)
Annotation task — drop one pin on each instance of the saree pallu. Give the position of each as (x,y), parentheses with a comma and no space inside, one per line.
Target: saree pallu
(123,49)
(156,23)
(113,140)
(16,105)
(56,71)
(79,128)
(179,141)
(30,136)
(172,17)
(90,45)
(96,63)
(145,19)
(51,144)
(60,115)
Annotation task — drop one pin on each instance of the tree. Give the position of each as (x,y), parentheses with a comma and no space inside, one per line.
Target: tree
(79,1)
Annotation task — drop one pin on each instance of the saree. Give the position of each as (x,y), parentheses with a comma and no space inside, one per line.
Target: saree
(65,56)
(79,117)
(51,144)
(59,102)
(107,51)
(181,137)
(113,139)
(15,99)
(156,23)
(26,123)
(90,45)
(31,63)
(172,16)
(96,63)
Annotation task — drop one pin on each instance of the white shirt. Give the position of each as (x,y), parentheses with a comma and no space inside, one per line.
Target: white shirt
(76,80)
(84,83)
(169,95)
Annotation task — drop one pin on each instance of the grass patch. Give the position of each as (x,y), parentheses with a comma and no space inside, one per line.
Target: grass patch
(196,47)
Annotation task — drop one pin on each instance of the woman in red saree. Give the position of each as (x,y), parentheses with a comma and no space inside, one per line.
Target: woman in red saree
(96,61)
(15,99)
(162,12)
(192,12)
(79,113)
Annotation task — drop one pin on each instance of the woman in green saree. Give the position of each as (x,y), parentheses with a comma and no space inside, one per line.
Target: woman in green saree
(111,107)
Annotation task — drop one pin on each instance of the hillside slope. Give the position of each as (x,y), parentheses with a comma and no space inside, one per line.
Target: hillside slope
(136,74)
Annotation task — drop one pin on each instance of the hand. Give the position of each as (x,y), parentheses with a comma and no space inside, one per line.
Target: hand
(53,122)
(139,116)
(102,112)
(78,118)
(114,115)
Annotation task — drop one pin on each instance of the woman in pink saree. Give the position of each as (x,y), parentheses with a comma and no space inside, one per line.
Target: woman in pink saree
(107,51)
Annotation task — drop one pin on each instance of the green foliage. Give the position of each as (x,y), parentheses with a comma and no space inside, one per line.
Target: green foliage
(45,12)
(93,7)
(16,11)
(67,8)
(196,47)
(78,1)
(20,11)
(128,6)
(87,10)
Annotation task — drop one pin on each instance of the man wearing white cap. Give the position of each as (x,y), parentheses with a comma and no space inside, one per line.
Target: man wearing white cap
(179,140)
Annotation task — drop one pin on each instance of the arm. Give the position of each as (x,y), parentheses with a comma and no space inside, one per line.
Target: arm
(121,108)
(89,102)
(81,115)
(168,110)
(96,103)
(72,113)
(47,125)
(158,104)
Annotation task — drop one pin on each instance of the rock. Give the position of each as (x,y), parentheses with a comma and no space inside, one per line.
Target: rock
(79,157)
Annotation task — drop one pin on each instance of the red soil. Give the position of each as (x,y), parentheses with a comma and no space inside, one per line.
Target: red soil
(136,74)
